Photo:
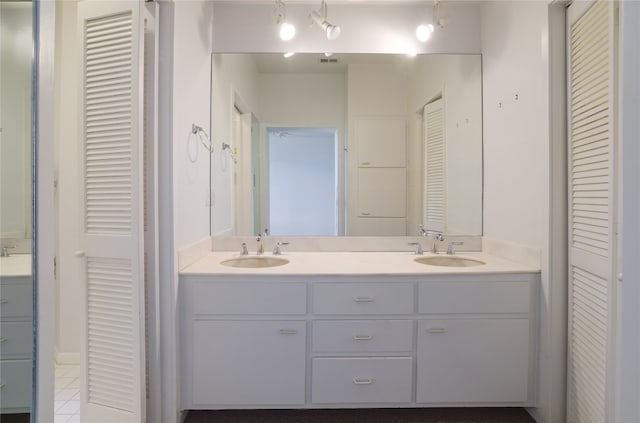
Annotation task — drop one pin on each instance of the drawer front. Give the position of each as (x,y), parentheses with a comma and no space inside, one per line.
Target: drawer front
(250,298)
(361,380)
(362,336)
(15,382)
(363,298)
(16,339)
(473,297)
(16,300)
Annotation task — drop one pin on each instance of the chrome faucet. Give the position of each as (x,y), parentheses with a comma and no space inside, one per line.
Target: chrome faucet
(450,249)
(4,250)
(276,248)
(244,250)
(418,246)
(435,248)
(260,248)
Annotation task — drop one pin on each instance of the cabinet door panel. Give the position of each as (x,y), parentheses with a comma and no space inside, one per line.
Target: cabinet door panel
(381,142)
(473,360)
(249,362)
(382,192)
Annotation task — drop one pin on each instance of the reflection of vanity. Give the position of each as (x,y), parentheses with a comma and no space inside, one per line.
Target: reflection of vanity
(16,333)
(332,330)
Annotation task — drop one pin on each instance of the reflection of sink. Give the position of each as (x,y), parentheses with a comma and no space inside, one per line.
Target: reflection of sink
(255,262)
(451,261)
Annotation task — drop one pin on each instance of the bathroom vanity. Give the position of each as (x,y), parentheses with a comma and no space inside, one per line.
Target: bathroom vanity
(16,333)
(357,330)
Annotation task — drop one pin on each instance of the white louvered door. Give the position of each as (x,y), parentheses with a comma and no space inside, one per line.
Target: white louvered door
(112,355)
(591,114)
(434,197)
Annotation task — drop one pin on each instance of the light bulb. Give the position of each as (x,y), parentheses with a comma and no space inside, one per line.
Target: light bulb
(287,31)
(423,32)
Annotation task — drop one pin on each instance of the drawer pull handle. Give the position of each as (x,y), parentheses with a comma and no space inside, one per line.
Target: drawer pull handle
(362,337)
(365,214)
(363,299)
(3,301)
(362,381)
(2,339)
(2,385)
(366,163)
(437,330)
(288,331)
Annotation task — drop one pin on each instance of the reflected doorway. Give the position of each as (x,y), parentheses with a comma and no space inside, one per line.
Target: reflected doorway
(302,193)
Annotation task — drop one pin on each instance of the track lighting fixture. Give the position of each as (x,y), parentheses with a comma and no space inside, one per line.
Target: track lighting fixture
(319,17)
(286,30)
(424,31)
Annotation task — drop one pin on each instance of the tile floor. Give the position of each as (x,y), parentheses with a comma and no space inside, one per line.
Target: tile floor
(67,395)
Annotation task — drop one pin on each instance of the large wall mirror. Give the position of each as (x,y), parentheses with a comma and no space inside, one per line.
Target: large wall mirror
(16,286)
(346,144)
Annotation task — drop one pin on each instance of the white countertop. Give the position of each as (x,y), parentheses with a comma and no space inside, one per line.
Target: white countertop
(353,263)
(15,265)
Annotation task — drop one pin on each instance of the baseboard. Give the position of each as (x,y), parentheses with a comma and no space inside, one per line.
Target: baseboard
(67,357)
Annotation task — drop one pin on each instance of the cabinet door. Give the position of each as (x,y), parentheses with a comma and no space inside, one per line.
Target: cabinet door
(382,192)
(473,360)
(249,362)
(381,142)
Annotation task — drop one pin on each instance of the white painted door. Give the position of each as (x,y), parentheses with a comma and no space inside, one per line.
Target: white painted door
(112,347)
(591,153)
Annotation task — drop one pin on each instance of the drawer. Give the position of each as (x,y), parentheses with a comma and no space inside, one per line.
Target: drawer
(15,382)
(361,380)
(473,297)
(249,298)
(362,336)
(363,298)
(16,300)
(16,339)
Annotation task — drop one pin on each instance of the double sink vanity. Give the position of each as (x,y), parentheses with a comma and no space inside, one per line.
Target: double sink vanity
(336,329)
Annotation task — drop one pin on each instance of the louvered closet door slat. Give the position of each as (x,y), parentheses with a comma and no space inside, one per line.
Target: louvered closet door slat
(591,143)
(113,355)
(434,191)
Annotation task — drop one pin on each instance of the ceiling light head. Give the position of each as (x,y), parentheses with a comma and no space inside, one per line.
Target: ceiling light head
(319,17)
(286,30)
(423,32)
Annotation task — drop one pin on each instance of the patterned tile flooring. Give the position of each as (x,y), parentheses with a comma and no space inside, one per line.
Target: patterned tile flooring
(67,394)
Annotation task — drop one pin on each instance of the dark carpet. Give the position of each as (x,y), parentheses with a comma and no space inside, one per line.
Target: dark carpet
(403,415)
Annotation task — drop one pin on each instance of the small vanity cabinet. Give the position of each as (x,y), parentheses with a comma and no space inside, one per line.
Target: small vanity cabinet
(16,344)
(320,341)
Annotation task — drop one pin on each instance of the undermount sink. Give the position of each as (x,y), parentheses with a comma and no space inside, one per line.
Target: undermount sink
(255,262)
(449,261)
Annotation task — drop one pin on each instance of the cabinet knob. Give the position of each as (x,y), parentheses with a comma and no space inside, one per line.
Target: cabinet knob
(79,254)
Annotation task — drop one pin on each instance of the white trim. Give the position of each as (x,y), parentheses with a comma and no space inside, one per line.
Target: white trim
(67,357)
(191,253)
(44,234)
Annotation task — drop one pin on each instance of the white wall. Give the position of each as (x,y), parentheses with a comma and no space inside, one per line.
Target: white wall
(68,208)
(233,75)
(365,28)
(516,163)
(459,77)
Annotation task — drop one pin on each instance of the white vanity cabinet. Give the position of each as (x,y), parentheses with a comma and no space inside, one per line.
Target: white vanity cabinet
(245,343)
(16,344)
(320,341)
(475,339)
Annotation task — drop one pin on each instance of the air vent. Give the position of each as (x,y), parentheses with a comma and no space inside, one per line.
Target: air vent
(328,60)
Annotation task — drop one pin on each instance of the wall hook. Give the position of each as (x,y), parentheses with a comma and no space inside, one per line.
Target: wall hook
(232,152)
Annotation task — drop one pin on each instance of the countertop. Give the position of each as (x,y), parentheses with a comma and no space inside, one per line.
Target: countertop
(354,263)
(15,265)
